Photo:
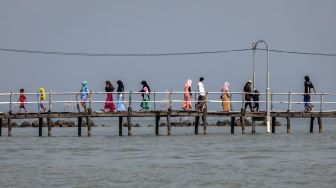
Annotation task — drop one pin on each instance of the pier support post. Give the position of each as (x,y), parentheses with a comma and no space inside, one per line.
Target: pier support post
(80,120)
(9,127)
(49,126)
(0,126)
(288,120)
(88,123)
(157,128)
(129,121)
(196,124)
(88,120)
(205,130)
(312,124)
(40,126)
(233,121)
(120,125)
(169,122)
(273,124)
(253,126)
(242,114)
(319,120)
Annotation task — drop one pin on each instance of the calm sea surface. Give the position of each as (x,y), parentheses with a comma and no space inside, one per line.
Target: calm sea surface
(299,159)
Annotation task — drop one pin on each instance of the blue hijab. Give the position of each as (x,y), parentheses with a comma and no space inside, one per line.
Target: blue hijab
(84,91)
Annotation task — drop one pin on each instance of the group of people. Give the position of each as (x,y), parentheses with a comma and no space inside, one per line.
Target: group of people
(187,99)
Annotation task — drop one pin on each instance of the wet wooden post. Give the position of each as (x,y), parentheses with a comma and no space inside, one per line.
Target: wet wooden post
(288,112)
(196,124)
(120,125)
(253,126)
(157,128)
(205,130)
(319,120)
(129,115)
(9,127)
(80,120)
(40,126)
(49,125)
(288,123)
(0,126)
(242,120)
(242,114)
(11,103)
(233,121)
(312,124)
(273,124)
(88,122)
(169,114)
(154,100)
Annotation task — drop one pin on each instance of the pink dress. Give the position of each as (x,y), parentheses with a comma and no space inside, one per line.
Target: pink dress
(109,105)
(186,105)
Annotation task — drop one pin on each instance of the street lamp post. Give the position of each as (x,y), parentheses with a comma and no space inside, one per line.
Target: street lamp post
(253,76)
(268,102)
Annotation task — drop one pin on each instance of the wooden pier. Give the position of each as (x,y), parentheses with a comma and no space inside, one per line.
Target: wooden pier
(129,114)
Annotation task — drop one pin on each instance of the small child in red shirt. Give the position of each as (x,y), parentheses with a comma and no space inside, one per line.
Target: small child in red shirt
(22,100)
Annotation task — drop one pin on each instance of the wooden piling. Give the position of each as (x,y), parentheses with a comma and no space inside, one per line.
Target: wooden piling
(288,119)
(0,126)
(273,124)
(9,127)
(88,119)
(120,125)
(205,130)
(49,126)
(242,114)
(253,126)
(312,124)
(129,121)
(319,120)
(169,122)
(196,124)
(233,121)
(157,128)
(40,126)
(80,120)
(88,123)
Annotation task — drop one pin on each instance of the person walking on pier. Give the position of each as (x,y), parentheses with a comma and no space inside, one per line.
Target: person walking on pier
(42,99)
(109,105)
(202,95)
(22,100)
(145,96)
(308,88)
(120,96)
(186,105)
(84,94)
(226,97)
(255,98)
(248,95)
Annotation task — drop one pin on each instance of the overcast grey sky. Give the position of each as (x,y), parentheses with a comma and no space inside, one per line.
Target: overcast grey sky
(154,26)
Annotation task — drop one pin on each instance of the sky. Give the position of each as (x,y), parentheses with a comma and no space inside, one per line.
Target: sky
(155,26)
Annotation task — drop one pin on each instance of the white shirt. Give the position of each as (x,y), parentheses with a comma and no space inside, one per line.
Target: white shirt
(201,88)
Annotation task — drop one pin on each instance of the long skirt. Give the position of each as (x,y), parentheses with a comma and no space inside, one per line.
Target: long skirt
(120,104)
(145,103)
(226,103)
(186,105)
(109,105)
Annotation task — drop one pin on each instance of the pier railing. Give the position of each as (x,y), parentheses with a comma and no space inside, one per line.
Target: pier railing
(68,101)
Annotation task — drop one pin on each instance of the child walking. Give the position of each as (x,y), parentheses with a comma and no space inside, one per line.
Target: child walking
(22,100)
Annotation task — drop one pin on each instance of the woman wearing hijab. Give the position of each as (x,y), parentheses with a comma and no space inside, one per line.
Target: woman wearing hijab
(42,99)
(226,97)
(84,94)
(145,95)
(120,90)
(109,105)
(186,105)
